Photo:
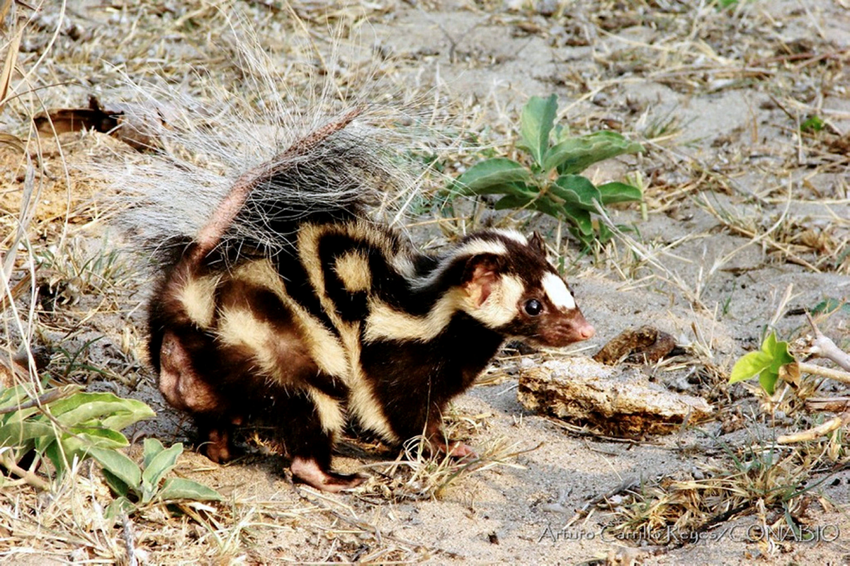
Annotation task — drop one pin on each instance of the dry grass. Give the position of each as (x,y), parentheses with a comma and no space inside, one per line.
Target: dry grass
(70,304)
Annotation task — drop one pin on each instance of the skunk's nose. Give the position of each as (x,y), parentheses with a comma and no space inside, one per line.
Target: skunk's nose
(586,331)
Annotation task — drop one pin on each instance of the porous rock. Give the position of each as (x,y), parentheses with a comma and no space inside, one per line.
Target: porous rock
(619,401)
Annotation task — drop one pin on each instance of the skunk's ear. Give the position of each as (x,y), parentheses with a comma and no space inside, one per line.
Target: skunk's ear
(536,243)
(481,276)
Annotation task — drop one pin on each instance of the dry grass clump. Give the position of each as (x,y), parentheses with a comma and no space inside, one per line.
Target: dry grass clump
(70,303)
(777,483)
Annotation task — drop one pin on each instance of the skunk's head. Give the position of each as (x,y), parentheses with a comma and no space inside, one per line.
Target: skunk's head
(512,288)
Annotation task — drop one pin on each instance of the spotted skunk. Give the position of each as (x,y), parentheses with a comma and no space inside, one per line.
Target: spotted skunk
(288,305)
(347,321)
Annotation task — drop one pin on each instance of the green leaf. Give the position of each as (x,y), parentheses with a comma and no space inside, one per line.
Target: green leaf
(581,218)
(13,396)
(512,201)
(82,437)
(119,465)
(132,412)
(750,365)
(765,363)
(114,412)
(160,465)
(22,415)
(121,473)
(152,447)
(20,433)
(830,305)
(574,155)
(561,133)
(812,124)
(179,488)
(767,380)
(493,176)
(577,191)
(778,352)
(619,192)
(565,211)
(119,506)
(57,457)
(538,116)
(118,486)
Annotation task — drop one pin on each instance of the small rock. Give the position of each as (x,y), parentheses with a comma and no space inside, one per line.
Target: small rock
(619,401)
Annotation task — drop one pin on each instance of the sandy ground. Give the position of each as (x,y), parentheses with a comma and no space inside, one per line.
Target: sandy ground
(747,227)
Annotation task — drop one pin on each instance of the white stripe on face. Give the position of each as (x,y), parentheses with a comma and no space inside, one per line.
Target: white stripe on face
(473,247)
(557,292)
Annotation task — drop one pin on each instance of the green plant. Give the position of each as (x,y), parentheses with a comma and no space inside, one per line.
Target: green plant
(765,363)
(812,124)
(62,424)
(830,305)
(552,184)
(135,486)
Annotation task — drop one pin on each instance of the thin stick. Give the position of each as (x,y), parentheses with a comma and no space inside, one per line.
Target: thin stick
(836,374)
(25,475)
(814,433)
(824,347)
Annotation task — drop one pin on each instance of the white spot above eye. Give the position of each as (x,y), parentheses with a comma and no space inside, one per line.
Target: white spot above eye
(557,291)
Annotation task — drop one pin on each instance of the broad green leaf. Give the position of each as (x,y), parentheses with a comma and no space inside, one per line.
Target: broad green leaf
(574,155)
(581,218)
(619,192)
(152,447)
(179,488)
(768,346)
(118,486)
(79,444)
(548,206)
(750,365)
(561,133)
(133,411)
(81,437)
(63,406)
(538,116)
(767,380)
(56,456)
(120,466)
(31,414)
(512,201)
(13,396)
(160,465)
(114,412)
(19,433)
(778,351)
(119,506)
(564,211)
(491,177)
(577,191)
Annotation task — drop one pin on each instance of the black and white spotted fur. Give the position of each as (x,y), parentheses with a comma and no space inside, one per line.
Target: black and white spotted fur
(325,317)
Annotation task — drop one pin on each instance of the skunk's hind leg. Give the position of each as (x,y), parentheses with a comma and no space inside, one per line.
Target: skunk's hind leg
(308,421)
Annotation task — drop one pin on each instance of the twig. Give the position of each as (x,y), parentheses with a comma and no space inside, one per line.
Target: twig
(829,426)
(824,347)
(128,539)
(25,475)
(836,374)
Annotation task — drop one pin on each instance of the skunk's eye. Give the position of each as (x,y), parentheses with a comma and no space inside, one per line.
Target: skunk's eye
(533,307)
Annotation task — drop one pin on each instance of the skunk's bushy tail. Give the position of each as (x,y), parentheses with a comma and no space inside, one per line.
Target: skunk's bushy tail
(325,159)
